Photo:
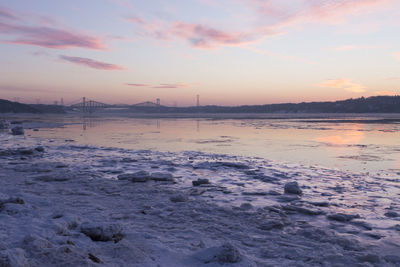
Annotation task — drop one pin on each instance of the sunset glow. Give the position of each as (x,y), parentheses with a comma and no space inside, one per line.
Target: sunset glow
(232,52)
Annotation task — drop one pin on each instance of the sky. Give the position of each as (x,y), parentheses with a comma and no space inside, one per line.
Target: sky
(230,52)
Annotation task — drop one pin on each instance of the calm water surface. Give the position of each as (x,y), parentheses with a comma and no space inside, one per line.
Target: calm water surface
(355,145)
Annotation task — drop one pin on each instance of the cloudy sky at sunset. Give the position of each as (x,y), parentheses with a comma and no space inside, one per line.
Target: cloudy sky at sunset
(230,52)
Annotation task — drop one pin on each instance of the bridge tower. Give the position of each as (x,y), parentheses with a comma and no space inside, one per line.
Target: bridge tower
(84,104)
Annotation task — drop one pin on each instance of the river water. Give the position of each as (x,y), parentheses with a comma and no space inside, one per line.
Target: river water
(360,144)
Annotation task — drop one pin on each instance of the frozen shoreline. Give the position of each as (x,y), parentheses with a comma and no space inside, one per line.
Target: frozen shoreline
(66,206)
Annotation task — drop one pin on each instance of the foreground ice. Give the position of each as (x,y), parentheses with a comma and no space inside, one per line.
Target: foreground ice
(66,205)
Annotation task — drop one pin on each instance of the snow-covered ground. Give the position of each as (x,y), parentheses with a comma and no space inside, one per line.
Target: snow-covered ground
(69,205)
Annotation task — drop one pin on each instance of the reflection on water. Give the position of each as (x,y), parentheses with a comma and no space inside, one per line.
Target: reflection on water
(89,123)
(352,136)
(350,146)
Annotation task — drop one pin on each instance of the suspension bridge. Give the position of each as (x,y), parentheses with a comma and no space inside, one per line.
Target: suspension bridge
(89,106)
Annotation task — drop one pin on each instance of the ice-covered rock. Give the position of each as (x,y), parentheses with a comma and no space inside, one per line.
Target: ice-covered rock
(137,177)
(34,243)
(55,177)
(13,258)
(246,206)
(200,181)
(292,188)
(226,253)
(4,124)
(162,176)
(102,231)
(372,258)
(362,224)
(272,224)
(236,165)
(288,198)
(395,259)
(17,130)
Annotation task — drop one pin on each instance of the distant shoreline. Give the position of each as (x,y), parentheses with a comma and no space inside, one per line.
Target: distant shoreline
(242,116)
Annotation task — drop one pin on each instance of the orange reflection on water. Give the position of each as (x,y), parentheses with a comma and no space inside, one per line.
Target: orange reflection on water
(352,136)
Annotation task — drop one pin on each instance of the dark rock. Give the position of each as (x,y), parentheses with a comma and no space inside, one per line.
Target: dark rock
(320,203)
(392,259)
(272,224)
(288,198)
(292,188)
(391,214)
(342,217)
(363,224)
(375,235)
(369,258)
(102,232)
(200,182)
(303,210)
(94,258)
(228,254)
(256,193)
(179,198)
(18,130)
(162,176)
(25,151)
(246,206)
(4,199)
(39,149)
(128,160)
(224,254)
(273,193)
(236,165)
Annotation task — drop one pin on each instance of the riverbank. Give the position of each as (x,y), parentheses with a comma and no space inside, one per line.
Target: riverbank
(65,204)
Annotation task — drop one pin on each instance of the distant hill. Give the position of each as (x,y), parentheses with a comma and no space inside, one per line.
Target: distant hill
(15,107)
(49,108)
(374,104)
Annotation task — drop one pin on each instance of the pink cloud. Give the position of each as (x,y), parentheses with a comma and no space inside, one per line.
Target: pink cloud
(392,93)
(397,55)
(171,86)
(135,20)
(296,12)
(44,36)
(198,35)
(207,37)
(345,84)
(273,17)
(160,86)
(7,14)
(138,85)
(91,63)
